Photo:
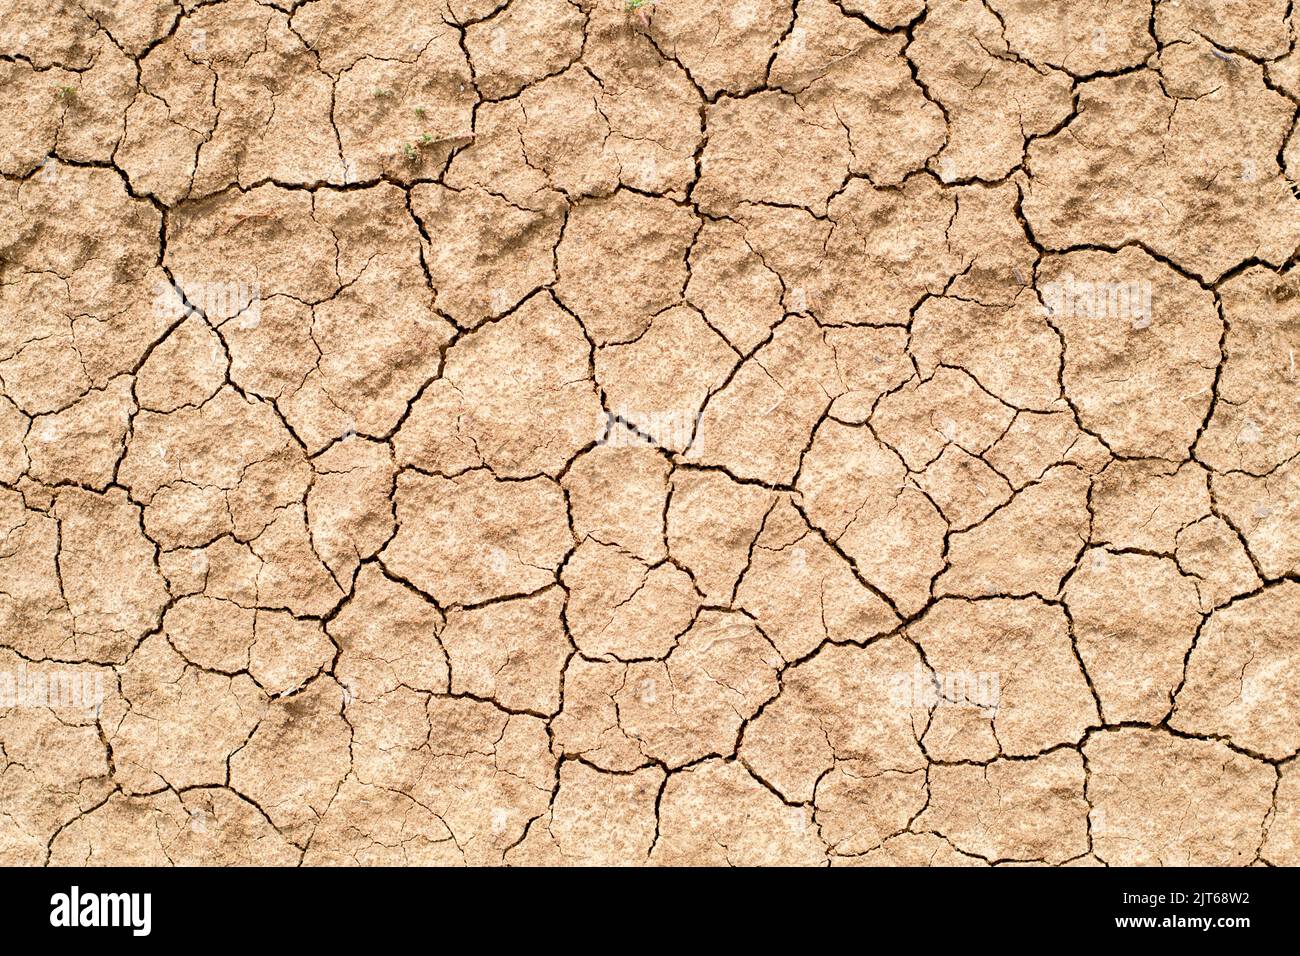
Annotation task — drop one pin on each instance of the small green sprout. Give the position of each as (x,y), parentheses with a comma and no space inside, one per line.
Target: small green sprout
(382,93)
(426,139)
(639,7)
(409,151)
(65,93)
(420,111)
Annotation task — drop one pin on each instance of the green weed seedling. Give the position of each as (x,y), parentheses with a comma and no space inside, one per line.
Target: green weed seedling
(639,8)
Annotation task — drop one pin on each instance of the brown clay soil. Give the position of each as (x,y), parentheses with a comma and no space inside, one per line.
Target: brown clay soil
(542,431)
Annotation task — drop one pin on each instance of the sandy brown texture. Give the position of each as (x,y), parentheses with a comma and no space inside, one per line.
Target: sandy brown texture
(568,432)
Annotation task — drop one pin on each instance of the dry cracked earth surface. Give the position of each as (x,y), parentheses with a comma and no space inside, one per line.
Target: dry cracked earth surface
(550,432)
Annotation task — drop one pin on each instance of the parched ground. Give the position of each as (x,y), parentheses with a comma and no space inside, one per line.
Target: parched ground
(542,431)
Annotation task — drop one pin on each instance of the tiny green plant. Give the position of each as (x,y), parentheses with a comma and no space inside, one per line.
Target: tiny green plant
(409,151)
(65,93)
(639,7)
(382,93)
(426,139)
(420,111)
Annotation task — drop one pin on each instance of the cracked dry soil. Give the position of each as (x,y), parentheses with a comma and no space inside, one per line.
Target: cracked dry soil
(536,431)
